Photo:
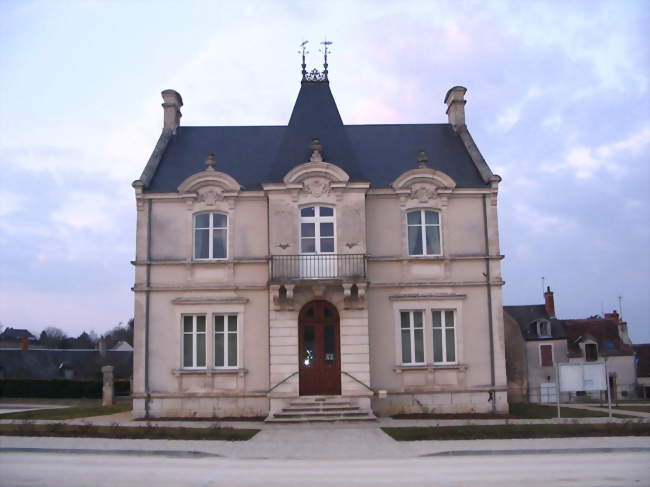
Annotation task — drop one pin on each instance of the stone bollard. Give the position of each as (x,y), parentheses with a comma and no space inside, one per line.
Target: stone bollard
(107,389)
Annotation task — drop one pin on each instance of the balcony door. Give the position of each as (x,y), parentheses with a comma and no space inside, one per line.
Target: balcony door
(317,242)
(319,355)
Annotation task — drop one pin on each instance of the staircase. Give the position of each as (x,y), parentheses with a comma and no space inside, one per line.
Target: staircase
(320,409)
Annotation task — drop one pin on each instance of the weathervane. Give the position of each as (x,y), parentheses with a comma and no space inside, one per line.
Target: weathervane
(314,76)
(304,51)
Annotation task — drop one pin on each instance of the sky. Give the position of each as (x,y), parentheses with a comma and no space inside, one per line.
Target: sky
(558,103)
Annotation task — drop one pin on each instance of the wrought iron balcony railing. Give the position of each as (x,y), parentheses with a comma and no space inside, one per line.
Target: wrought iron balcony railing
(318,266)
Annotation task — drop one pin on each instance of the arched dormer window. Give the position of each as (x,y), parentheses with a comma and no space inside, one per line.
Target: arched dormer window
(210,236)
(423,228)
(541,328)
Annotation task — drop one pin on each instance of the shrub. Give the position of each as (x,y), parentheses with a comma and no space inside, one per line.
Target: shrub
(59,387)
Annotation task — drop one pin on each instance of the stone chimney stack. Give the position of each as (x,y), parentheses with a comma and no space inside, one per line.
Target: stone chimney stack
(172,110)
(455,101)
(549,302)
(622,326)
(101,347)
(24,344)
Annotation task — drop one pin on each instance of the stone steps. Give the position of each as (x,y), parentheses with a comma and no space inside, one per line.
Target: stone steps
(320,409)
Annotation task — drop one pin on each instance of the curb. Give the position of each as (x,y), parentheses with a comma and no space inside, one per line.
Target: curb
(532,451)
(86,451)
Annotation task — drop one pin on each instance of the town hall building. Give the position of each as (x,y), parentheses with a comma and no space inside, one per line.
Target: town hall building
(343,270)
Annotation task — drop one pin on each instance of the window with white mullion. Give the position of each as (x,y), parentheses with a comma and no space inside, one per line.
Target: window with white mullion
(423,232)
(412,337)
(194,345)
(444,336)
(225,341)
(317,230)
(210,236)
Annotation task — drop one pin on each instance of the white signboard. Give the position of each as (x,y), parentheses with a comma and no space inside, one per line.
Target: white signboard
(582,377)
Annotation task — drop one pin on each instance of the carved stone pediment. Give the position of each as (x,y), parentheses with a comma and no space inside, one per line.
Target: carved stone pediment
(423,177)
(316,187)
(423,192)
(316,170)
(211,196)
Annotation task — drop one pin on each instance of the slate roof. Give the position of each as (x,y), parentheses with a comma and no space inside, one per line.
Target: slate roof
(16,334)
(264,154)
(49,364)
(642,352)
(604,332)
(524,315)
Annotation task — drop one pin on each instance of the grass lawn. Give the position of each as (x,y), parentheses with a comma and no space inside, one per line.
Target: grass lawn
(132,432)
(68,413)
(517,431)
(540,411)
(643,409)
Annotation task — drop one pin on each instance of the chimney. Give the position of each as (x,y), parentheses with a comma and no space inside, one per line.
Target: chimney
(455,101)
(101,346)
(621,325)
(24,344)
(172,110)
(549,302)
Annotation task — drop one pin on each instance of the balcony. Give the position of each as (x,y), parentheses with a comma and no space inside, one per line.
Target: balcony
(318,266)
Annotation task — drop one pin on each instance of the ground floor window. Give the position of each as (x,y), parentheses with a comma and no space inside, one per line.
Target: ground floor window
(225,340)
(546,355)
(194,345)
(412,333)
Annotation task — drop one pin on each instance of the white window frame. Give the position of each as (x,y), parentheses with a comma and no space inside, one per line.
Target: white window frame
(317,220)
(194,333)
(443,329)
(411,330)
(211,228)
(227,337)
(423,226)
(541,364)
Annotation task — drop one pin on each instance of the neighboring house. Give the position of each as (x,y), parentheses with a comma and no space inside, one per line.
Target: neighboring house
(535,343)
(16,335)
(122,346)
(642,360)
(63,364)
(548,341)
(317,258)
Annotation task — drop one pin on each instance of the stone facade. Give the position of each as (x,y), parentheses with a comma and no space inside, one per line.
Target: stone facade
(263,278)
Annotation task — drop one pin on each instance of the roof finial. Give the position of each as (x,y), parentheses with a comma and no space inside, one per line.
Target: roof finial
(325,43)
(304,65)
(315,147)
(209,162)
(423,159)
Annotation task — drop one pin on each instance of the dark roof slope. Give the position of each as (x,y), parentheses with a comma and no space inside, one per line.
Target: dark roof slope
(526,314)
(255,155)
(16,334)
(49,364)
(642,352)
(604,332)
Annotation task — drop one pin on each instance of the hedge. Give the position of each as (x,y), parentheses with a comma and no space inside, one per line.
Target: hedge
(59,387)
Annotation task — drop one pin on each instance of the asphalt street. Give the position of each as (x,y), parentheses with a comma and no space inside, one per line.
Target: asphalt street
(46,469)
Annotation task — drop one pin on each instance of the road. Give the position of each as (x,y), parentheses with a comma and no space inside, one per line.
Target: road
(18,469)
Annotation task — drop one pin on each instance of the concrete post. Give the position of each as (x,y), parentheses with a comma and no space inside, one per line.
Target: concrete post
(107,388)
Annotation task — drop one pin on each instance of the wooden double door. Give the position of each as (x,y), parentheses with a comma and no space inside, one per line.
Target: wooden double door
(319,355)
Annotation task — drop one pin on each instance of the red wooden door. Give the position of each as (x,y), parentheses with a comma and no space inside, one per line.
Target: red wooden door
(319,356)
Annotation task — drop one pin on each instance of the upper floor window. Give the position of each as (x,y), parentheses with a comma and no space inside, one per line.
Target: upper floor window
(591,352)
(423,228)
(210,236)
(546,355)
(317,230)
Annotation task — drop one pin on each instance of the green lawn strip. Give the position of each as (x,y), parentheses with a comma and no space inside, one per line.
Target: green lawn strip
(539,411)
(130,432)
(68,413)
(517,431)
(642,409)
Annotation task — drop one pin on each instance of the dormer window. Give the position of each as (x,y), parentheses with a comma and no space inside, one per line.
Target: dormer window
(591,352)
(541,328)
